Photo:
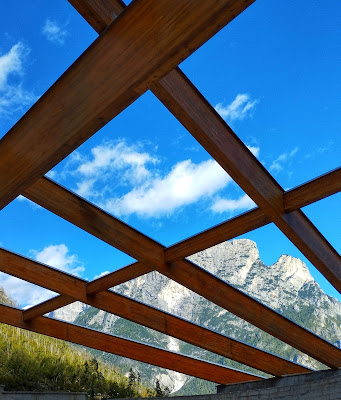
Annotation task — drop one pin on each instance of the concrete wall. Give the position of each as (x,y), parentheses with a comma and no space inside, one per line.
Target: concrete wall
(40,395)
(324,385)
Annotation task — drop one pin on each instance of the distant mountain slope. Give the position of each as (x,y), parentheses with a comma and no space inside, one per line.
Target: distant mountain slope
(286,286)
(29,361)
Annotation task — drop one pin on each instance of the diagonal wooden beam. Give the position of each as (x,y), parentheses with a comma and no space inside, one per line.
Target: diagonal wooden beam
(42,275)
(187,104)
(301,196)
(150,317)
(147,41)
(187,274)
(95,221)
(98,13)
(314,190)
(125,348)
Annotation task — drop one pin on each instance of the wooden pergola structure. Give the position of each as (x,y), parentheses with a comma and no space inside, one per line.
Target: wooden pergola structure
(139,48)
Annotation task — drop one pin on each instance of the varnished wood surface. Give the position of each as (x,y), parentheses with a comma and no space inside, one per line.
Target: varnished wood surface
(259,315)
(303,195)
(314,190)
(187,104)
(148,40)
(117,277)
(98,13)
(125,348)
(158,320)
(97,222)
(42,275)
(184,272)
(105,282)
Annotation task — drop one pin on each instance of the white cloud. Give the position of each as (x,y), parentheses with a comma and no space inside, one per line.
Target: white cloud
(54,33)
(25,293)
(186,183)
(107,158)
(278,164)
(12,95)
(57,256)
(223,205)
(240,107)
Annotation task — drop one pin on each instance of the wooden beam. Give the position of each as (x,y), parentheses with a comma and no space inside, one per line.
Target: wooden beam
(42,275)
(117,277)
(187,104)
(227,230)
(219,292)
(314,190)
(114,278)
(149,39)
(184,272)
(95,221)
(303,195)
(153,318)
(125,348)
(98,13)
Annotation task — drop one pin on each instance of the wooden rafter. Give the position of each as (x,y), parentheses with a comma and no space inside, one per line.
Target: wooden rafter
(125,348)
(76,210)
(145,315)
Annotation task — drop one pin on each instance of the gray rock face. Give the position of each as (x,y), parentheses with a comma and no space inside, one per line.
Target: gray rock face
(286,286)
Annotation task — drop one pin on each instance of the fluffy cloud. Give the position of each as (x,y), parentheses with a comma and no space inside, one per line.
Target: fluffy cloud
(147,190)
(25,293)
(226,205)
(54,33)
(278,163)
(12,95)
(240,107)
(110,157)
(186,183)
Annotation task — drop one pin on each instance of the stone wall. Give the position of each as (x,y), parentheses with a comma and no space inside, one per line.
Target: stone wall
(324,385)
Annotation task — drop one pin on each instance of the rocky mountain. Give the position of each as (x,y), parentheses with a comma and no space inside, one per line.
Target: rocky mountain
(285,286)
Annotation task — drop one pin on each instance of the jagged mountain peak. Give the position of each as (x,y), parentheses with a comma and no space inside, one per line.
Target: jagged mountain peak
(293,270)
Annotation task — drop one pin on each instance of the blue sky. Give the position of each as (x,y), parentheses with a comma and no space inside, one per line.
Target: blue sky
(273,74)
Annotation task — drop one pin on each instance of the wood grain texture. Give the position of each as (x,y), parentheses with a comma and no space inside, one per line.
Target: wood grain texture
(147,41)
(95,221)
(227,230)
(303,195)
(314,190)
(163,322)
(114,278)
(187,104)
(46,307)
(217,291)
(117,277)
(42,275)
(125,348)
(98,13)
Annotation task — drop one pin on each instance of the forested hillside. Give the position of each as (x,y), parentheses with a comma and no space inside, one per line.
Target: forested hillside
(29,361)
